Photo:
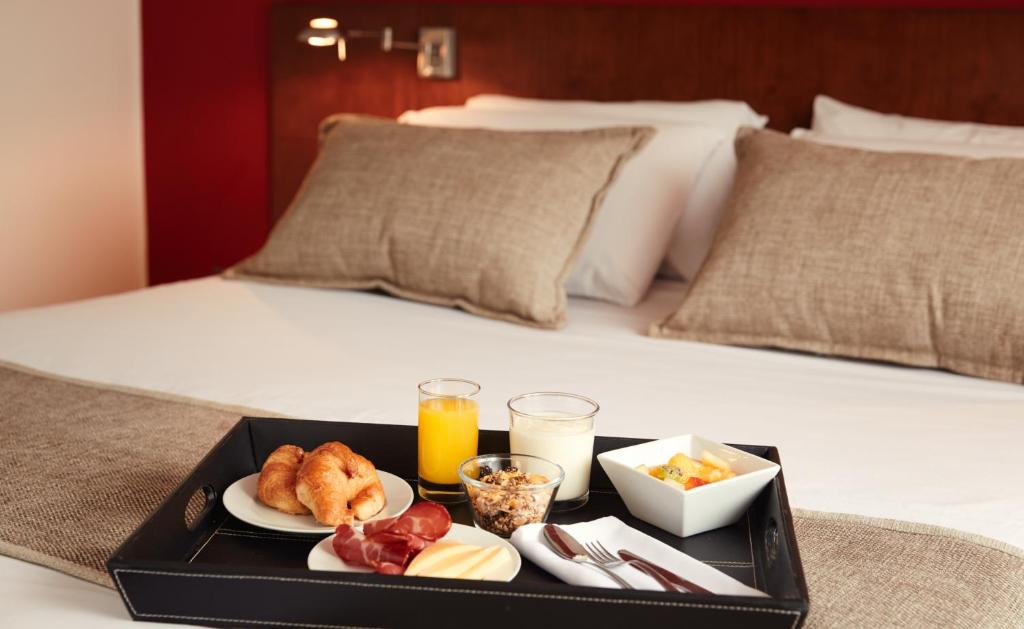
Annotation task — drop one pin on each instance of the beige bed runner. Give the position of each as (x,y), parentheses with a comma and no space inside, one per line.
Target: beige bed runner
(82,465)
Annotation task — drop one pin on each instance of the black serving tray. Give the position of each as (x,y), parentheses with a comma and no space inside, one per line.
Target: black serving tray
(221,572)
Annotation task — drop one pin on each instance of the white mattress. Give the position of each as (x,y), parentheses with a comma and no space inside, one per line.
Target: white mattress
(855,437)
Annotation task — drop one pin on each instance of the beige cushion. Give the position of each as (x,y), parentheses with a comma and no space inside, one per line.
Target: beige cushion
(914,259)
(488,221)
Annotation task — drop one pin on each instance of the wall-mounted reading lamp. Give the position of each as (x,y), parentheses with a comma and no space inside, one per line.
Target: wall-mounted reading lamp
(435,50)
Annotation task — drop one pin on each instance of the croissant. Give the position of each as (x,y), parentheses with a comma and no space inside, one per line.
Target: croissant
(276,485)
(337,484)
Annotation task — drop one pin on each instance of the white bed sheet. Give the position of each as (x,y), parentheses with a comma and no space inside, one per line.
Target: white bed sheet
(855,437)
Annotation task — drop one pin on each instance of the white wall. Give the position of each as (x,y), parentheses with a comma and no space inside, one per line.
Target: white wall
(72,210)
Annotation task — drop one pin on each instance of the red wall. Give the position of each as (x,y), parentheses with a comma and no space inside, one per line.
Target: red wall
(205,105)
(205,116)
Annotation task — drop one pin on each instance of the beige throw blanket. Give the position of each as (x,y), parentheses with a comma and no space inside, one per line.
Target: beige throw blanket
(82,465)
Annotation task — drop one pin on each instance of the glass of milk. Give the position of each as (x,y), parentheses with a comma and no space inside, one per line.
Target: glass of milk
(558,427)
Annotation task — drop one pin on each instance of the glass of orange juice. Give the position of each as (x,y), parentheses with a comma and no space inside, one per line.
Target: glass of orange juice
(448,427)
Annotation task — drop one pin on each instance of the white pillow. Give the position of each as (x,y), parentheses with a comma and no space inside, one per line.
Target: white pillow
(834,118)
(884,145)
(641,209)
(728,115)
(696,229)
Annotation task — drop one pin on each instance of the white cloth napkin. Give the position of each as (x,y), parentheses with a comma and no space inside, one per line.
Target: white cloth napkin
(614,534)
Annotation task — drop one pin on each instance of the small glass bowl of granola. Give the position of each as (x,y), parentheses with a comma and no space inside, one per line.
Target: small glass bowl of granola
(507,491)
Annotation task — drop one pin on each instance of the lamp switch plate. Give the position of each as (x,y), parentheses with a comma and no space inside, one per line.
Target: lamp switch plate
(437,55)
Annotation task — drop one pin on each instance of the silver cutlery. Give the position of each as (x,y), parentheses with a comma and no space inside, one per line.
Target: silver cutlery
(568,548)
(686,584)
(597,552)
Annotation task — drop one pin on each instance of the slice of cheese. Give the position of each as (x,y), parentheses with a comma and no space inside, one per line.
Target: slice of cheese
(491,560)
(457,561)
(437,556)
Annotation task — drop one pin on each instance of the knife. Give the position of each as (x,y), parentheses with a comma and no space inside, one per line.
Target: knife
(566,545)
(668,575)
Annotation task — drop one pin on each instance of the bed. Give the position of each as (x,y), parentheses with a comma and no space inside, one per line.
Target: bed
(855,436)
(903,443)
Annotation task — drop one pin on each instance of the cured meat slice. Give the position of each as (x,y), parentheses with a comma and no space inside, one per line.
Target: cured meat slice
(389,545)
(378,552)
(424,519)
(390,568)
(378,526)
(417,543)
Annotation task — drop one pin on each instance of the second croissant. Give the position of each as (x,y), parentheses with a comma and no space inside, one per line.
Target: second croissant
(332,482)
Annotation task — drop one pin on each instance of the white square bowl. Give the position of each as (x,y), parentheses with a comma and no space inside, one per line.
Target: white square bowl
(692,511)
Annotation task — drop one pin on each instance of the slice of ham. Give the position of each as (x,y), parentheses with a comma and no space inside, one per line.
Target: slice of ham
(377,552)
(378,526)
(424,519)
(417,543)
(389,545)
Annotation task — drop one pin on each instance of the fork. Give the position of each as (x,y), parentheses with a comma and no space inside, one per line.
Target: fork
(599,554)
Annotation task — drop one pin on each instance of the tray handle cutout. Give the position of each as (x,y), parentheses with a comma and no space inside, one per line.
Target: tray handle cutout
(200,504)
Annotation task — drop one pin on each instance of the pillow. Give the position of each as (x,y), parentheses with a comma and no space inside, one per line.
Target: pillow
(488,221)
(833,117)
(915,259)
(642,207)
(728,115)
(694,233)
(911,146)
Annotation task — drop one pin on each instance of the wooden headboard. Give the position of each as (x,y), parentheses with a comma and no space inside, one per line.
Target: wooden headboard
(956,64)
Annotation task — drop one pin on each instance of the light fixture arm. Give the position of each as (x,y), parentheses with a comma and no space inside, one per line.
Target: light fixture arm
(386,36)
(435,50)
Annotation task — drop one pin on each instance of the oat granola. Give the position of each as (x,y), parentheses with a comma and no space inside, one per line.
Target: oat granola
(510,503)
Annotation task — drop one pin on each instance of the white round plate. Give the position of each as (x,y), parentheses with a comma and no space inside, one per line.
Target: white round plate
(322,556)
(240,500)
